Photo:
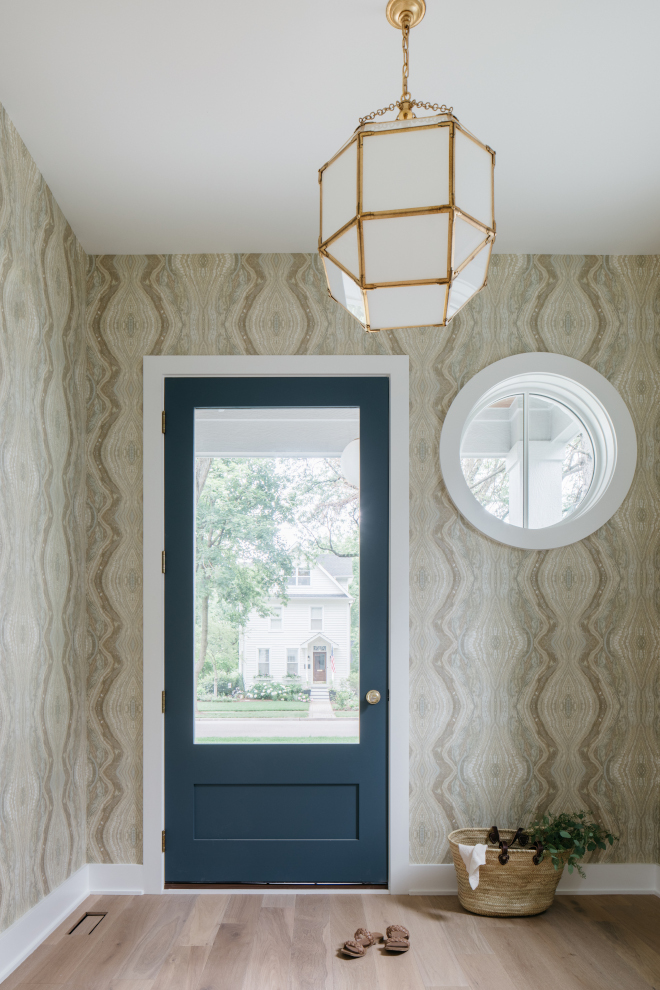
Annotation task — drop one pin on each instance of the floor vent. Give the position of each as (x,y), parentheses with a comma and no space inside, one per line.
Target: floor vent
(89,921)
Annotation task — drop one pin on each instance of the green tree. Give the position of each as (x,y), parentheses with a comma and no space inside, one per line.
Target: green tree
(241,559)
(326,507)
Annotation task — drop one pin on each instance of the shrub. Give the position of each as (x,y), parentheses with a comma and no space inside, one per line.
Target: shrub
(228,684)
(272,691)
(345,698)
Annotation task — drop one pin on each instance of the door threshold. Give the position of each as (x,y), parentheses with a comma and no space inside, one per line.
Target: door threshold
(275,886)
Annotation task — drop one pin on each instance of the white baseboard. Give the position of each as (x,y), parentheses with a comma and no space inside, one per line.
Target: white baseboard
(23,937)
(602,878)
(29,931)
(116,878)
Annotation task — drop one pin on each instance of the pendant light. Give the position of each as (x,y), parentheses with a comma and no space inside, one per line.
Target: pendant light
(407,221)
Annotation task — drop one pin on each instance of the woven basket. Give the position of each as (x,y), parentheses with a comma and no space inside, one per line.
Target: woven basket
(516,889)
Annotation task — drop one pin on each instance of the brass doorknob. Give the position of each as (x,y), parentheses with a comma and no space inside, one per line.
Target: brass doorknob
(373,697)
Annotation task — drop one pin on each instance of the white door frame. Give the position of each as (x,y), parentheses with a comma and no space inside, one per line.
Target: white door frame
(156,369)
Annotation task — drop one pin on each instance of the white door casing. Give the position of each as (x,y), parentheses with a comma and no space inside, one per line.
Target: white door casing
(156,369)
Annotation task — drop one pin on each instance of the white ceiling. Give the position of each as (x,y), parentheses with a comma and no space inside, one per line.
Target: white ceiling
(199,125)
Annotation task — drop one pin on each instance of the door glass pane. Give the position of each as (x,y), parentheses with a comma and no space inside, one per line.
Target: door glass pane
(276,576)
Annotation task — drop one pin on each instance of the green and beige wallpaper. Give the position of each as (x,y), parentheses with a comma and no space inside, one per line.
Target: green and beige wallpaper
(535,676)
(43,757)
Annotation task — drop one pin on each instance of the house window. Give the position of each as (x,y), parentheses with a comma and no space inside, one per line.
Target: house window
(301,575)
(538,451)
(264,662)
(316,617)
(292,661)
(276,618)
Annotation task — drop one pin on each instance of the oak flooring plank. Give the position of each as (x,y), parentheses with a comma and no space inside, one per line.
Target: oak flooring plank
(461,927)
(182,969)
(204,919)
(131,985)
(146,959)
(346,916)
(640,913)
(588,952)
(270,958)
(243,909)
(227,962)
(395,971)
(311,951)
(644,958)
(486,972)
(525,957)
(278,900)
(430,943)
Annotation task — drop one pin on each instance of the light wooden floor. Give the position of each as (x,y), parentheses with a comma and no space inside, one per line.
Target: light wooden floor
(290,942)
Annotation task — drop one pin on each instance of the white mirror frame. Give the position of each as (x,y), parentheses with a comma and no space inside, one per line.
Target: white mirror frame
(596,402)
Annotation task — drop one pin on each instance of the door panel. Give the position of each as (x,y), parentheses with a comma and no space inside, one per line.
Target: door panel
(284,813)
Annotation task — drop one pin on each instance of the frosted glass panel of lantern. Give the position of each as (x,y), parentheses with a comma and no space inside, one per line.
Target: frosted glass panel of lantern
(405,169)
(345,250)
(561,461)
(339,192)
(468,282)
(406,306)
(466,240)
(404,249)
(345,291)
(474,179)
(492,458)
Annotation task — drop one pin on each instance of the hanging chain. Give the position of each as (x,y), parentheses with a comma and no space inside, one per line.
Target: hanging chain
(405,44)
(406,103)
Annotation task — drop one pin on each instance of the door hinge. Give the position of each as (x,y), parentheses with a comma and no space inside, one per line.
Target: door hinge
(163,421)
(162,702)
(162,843)
(162,562)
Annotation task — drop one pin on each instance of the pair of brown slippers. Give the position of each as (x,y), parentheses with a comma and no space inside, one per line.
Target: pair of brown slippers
(397,939)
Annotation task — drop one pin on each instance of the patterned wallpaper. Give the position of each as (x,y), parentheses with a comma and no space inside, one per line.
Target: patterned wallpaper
(534,675)
(42,546)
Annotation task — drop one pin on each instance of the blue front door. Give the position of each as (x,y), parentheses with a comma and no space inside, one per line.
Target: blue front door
(242,803)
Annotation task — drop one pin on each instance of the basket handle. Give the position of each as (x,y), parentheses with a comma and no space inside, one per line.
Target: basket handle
(536,859)
(520,837)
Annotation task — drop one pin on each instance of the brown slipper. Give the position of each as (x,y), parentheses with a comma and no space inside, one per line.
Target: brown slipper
(355,946)
(398,939)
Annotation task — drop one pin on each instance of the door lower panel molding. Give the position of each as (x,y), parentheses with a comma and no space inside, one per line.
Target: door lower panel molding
(277,812)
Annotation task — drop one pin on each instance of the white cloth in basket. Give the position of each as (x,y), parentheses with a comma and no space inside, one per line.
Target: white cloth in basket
(473,857)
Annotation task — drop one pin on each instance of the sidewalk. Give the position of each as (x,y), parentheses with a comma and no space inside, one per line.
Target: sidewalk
(227,728)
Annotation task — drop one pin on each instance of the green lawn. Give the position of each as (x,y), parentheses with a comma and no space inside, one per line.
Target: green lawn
(281,739)
(353,713)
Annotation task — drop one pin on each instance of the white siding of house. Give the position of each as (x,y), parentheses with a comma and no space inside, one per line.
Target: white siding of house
(296,630)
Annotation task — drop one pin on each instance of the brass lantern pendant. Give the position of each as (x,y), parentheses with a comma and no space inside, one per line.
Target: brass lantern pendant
(407,221)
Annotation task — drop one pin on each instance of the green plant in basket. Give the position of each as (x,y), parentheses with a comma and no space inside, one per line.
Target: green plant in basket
(573,833)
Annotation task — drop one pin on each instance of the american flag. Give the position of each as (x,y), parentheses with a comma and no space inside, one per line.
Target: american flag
(332,661)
